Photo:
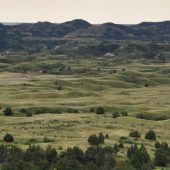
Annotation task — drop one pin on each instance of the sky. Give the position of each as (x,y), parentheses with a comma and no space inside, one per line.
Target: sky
(94,11)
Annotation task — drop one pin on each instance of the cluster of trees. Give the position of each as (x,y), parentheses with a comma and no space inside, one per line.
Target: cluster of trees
(150,135)
(139,157)
(162,154)
(95,157)
(36,158)
(96,140)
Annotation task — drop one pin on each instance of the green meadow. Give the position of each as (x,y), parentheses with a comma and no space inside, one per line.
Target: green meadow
(62,117)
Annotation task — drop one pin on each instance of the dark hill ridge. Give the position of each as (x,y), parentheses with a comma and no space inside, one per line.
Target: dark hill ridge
(80,28)
(47,28)
(13,36)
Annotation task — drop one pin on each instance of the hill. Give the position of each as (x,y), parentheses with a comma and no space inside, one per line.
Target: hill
(48,35)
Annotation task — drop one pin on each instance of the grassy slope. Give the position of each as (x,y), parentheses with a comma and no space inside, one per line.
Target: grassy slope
(122,91)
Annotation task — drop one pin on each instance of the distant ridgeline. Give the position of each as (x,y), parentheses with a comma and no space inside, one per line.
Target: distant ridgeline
(148,37)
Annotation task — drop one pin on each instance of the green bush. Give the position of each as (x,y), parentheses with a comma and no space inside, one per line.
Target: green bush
(8,111)
(28,114)
(150,135)
(93,140)
(157,144)
(121,145)
(135,134)
(116,148)
(100,110)
(48,140)
(96,140)
(101,138)
(59,87)
(72,110)
(115,114)
(91,110)
(8,138)
(124,113)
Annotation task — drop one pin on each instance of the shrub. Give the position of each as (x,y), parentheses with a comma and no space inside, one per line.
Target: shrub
(140,116)
(93,140)
(59,87)
(116,148)
(121,145)
(8,111)
(164,145)
(101,138)
(135,134)
(48,140)
(96,140)
(28,114)
(124,113)
(157,144)
(91,110)
(115,114)
(23,110)
(8,138)
(150,135)
(114,71)
(106,136)
(146,84)
(100,110)
(72,110)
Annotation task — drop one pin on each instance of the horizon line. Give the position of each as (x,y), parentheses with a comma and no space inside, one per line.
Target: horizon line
(33,22)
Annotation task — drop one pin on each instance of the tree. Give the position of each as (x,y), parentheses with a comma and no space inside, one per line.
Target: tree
(101,138)
(100,110)
(96,140)
(8,111)
(68,164)
(139,157)
(74,153)
(161,156)
(150,135)
(93,140)
(157,144)
(51,154)
(8,138)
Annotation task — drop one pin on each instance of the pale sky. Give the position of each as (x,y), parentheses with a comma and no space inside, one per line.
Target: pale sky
(94,11)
